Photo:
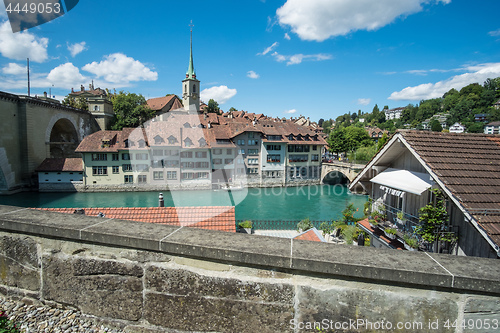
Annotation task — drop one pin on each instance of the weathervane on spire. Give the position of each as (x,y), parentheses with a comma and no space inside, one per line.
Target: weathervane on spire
(191,25)
(191,74)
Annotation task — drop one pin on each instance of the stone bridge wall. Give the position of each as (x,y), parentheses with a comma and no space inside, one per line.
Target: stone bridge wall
(347,169)
(157,278)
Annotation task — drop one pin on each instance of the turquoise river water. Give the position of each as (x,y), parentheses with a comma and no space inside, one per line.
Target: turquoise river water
(318,202)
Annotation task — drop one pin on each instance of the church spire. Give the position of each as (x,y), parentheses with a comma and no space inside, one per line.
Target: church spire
(191,74)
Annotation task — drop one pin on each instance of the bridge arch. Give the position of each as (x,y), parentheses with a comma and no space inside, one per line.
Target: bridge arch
(61,137)
(335,177)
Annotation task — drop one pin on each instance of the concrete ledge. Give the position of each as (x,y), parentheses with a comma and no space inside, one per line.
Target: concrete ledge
(410,269)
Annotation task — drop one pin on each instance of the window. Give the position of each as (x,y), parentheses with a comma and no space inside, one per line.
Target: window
(253,161)
(171,140)
(187,165)
(298,158)
(171,164)
(251,135)
(99,157)
(253,170)
(171,174)
(141,143)
(158,140)
(273,158)
(127,143)
(157,152)
(99,170)
(306,149)
(126,156)
(201,165)
(253,142)
(228,161)
(240,161)
(314,158)
(253,152)
(127,167)
(142,179)
(186,154)
(96,107)
(171,152)
(274,137)
(157,164)
(116,169)
(141,156)
(273,147)
(157,175)
(241,151)
(217,151)
(202,175)
(217,161)
(188,142)
(128,179)
(241,142)
(240,171)
(229,152)
(141,167)
(202,142)
(201,154)
(187,175)
(115,157)
(315,147)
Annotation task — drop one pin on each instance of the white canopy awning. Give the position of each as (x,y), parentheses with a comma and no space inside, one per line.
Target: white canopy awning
(404,180)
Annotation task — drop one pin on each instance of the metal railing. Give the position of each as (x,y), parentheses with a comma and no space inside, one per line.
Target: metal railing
(278,224)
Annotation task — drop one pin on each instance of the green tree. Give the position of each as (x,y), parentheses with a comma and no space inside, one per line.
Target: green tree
(381,142)
(337,141)
(232,109)
(357,137)
(79,103)
(212,106)
(130,109)
(436,126)
(475,128)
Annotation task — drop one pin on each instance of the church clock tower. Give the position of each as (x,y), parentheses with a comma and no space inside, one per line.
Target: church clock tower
(190,85)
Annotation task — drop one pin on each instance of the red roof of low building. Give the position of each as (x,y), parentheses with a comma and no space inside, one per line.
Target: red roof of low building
(311,235)
(61,164)
(220,218)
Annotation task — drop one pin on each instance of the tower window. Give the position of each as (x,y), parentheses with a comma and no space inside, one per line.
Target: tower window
(194,87)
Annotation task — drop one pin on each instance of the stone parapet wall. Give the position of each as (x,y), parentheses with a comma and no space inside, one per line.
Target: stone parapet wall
(143,277)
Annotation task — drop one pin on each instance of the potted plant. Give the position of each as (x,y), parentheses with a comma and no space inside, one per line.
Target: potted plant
(410,243)
(246,225)
(373,223)
(390,233)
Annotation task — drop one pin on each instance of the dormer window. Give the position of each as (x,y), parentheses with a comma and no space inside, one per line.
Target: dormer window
(202,142)
(127,143)
(158,140)
(172,140)
(141,143)
(187,125)
(188,142)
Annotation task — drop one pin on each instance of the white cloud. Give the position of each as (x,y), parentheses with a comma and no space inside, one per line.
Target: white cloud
(221,94)
(364,101)
(22,45)
(14,69)
(321,19)
(298,58)
(120,69)
(478,73)
(76,48)
(290,111)
(253,75)
(494,33)
(65,76)
(269,49)
(287,36)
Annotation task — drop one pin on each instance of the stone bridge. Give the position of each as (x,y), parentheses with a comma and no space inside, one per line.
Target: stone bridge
(348,170)
(33,129)
(147,277)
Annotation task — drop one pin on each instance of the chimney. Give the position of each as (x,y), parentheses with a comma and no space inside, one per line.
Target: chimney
(45,94)
(72,90)
(90,86)
(161,203)
(82,88)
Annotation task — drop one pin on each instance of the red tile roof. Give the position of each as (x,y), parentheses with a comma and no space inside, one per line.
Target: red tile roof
(469,166)
(311,235)
(158,104)
(220,218)
(61,164)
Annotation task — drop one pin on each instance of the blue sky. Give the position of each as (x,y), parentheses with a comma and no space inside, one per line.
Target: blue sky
(317,58)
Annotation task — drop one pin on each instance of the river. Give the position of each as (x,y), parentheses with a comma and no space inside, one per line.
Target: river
(317,202)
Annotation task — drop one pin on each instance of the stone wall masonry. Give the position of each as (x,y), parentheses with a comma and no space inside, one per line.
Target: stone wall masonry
(143,277)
